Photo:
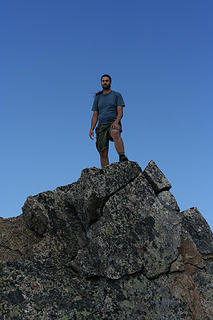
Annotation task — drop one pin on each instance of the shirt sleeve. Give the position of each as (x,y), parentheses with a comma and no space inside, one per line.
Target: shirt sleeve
(95,104)
(120,101)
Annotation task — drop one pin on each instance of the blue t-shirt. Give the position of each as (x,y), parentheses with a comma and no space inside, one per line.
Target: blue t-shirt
(106,105)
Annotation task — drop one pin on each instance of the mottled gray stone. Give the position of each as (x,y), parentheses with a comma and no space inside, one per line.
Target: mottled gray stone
(177,265)
(209,266)
(168,200)
(199,230)
(130,236)
(108,246)
(204,287)
(35,216)
(136,297)
(95,186)
(156,177)
(54,220)
(189,251)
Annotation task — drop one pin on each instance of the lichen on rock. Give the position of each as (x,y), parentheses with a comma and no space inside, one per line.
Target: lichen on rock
(112,245)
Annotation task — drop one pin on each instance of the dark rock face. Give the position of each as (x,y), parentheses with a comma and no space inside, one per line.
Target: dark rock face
(113,245)
(130,236)
(156,178)
(199,230)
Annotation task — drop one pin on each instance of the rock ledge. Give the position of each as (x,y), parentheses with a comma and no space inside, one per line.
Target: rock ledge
(113,245)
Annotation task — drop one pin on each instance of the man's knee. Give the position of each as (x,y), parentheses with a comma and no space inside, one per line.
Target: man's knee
(115,134)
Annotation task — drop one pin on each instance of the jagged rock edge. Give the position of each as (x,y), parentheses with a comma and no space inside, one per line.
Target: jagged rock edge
(105,199)
(129,275)
(137,272)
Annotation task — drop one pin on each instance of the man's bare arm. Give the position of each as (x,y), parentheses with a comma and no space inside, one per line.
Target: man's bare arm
(93,124)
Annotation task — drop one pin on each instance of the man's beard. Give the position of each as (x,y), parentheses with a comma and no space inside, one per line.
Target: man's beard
(106,87)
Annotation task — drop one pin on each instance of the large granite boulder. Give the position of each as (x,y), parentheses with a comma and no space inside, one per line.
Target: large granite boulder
(113,245)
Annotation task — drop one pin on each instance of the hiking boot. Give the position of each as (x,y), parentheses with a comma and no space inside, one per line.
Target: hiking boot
(122,157)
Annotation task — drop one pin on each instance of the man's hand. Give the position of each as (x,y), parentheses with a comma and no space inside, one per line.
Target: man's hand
(93,124)
(91,134)
(115,125)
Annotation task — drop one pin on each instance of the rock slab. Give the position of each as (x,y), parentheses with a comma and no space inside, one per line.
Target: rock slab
(113,245)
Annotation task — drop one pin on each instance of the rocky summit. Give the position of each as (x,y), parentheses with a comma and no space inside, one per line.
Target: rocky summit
(113,245)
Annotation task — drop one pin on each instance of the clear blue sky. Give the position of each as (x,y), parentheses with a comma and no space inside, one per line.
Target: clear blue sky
(52,55)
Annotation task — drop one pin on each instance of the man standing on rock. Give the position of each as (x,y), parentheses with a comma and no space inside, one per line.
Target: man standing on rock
(107,110)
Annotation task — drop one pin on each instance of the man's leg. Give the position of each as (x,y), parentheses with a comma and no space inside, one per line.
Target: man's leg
(104,157)
(119,145)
